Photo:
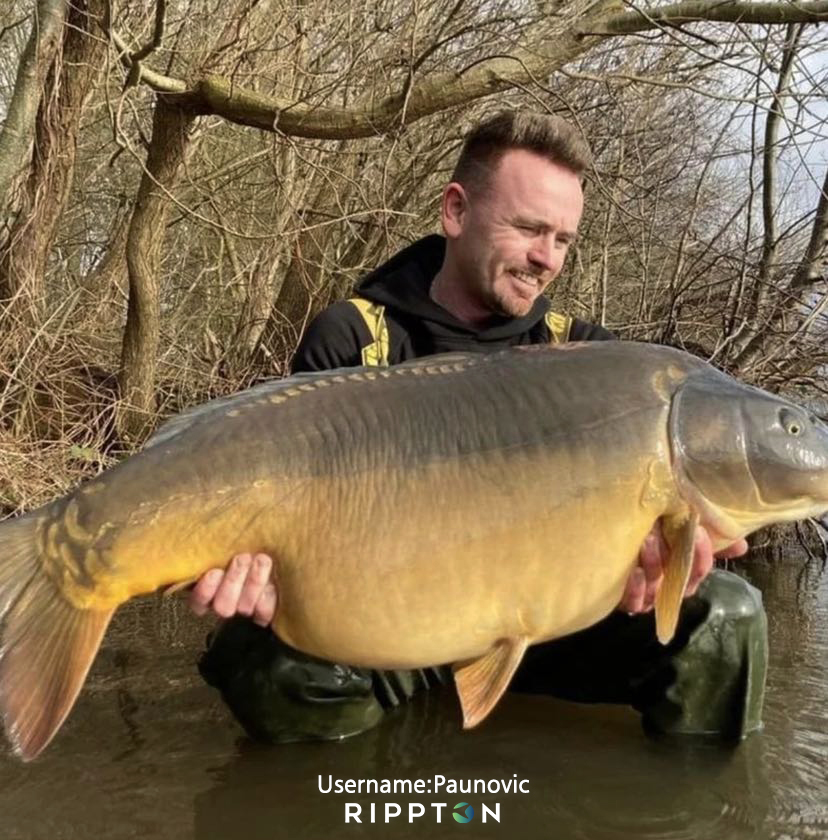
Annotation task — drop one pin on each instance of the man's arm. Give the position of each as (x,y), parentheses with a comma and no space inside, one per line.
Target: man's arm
(333,339)
(586,331)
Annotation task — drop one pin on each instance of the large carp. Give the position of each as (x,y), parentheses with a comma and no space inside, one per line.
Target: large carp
(455,509)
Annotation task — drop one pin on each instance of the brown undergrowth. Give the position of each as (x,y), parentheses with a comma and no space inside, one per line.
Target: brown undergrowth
(59,398)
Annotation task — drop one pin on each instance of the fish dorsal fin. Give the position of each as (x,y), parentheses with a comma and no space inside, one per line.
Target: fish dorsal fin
(191,416)
(453,358)
(680,534)
(481,682)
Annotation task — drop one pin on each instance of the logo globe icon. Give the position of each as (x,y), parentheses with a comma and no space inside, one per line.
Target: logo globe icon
(465,816)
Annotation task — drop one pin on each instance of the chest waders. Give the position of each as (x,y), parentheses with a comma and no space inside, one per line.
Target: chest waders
(709,680)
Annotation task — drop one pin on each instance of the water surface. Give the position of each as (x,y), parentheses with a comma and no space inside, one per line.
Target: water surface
(150,751)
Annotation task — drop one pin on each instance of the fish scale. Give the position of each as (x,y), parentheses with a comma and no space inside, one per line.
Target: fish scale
(452,510)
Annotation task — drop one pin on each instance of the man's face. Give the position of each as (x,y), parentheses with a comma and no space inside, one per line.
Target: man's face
(511,240)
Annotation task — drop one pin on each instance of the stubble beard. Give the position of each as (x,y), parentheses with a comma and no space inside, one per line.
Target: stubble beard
(508,303)
(510,306)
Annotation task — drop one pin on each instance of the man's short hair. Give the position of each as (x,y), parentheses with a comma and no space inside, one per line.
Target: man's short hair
(547,135)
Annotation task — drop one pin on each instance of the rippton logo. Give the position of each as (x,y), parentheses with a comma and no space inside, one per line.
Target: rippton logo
(469,812)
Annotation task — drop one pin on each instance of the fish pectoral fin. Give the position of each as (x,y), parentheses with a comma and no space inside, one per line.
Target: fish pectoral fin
(481,682)
(680,534)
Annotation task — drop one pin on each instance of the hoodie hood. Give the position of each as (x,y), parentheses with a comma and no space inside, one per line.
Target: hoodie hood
(402,284)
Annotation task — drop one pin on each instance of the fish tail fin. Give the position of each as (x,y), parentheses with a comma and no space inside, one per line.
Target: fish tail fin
(47,644)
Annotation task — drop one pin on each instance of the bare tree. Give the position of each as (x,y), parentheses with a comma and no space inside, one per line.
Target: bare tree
(18,127)
(70,67)
(242,163)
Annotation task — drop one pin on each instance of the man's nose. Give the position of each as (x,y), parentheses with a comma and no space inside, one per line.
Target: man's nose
(544,255)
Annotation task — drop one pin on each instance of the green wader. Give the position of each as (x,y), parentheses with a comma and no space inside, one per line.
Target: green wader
(708,681)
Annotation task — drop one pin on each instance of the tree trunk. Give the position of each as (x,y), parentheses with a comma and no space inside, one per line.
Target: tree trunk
(104,287)
(168,149)
(256,306)
(16,135)
(72,76)
(809,274)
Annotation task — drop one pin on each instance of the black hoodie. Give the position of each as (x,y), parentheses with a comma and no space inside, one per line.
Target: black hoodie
(417,326)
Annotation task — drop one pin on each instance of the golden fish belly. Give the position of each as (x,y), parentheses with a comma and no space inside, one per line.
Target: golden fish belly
(404,568)
(452,557)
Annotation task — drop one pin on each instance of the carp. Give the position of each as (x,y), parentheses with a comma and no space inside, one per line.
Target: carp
(455,509)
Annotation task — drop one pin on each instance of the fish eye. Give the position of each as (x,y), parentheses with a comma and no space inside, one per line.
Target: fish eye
(790,422)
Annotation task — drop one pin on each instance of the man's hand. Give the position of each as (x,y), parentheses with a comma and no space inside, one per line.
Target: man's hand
(244,589)
(645,580)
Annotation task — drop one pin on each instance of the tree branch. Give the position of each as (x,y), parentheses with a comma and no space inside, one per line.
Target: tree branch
(157,81)
(218,95)
(813,262)
(157,35)
(775,115)
(12,26)
(695,11)
(809,272)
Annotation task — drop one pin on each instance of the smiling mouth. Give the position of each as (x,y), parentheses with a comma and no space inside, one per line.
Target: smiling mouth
(525,279)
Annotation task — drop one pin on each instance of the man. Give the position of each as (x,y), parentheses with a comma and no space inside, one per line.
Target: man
(509,215)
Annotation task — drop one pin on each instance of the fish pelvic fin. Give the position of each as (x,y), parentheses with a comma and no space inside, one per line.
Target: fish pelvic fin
(47,644)
(481,682)
(680,534)
(173,588)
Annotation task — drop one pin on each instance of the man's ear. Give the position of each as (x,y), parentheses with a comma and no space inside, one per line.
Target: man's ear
(454,208)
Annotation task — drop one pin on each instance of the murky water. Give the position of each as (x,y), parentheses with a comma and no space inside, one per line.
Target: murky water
(150,752)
